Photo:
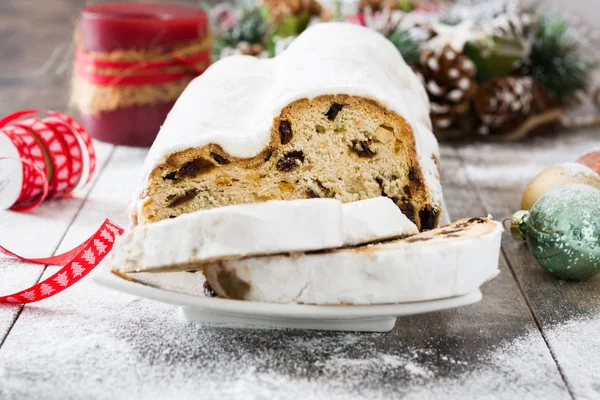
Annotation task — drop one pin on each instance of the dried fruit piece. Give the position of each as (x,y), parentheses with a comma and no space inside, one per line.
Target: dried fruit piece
(380,183)
(285,131)
(290,161)
(325,190)
(407,209)
(208,290)
(170,176)
(361,147)
(311,194)
(477,219)
(189,169)
(427,217)
(192,168)
(333,111)
(412,174)
(219,158)
(268,154)
(321,191)
(320,128)
(187,196)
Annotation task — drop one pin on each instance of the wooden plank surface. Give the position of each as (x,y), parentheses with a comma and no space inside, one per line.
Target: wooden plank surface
(568,312)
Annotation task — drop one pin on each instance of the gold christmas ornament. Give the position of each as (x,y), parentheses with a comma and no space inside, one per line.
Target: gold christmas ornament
(557,175)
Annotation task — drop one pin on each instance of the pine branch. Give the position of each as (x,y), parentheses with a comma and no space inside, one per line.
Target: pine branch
(555,61)
(252,29)
(408,47)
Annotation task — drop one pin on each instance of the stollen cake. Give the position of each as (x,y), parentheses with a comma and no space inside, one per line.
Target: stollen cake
(339,115)
(449,261)
(272,227)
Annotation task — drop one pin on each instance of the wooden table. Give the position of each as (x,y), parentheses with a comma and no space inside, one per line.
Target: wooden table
(530,337)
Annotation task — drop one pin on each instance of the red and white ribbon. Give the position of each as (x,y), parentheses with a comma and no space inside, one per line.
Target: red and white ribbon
(43,157)
(78,263)
(56,144)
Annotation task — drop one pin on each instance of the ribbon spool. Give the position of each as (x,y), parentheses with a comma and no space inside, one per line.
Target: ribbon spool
(49,157)
(45,157)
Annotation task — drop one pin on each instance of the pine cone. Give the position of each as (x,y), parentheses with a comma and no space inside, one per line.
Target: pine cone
(502,104)
(449,78)
(247,49)
(513,21)
(385,22)
(378,5)
(419,30)
(280,9)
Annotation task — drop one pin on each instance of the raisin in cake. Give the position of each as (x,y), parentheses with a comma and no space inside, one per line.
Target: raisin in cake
(339,115)
(449,261)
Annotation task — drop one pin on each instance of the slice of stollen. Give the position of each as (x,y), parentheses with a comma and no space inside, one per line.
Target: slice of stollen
(272,227)
(449,261)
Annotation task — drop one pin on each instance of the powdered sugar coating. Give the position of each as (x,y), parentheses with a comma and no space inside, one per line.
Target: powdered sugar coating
(234,102)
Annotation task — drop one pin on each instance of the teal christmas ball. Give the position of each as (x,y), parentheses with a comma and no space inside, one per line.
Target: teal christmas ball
(562,231)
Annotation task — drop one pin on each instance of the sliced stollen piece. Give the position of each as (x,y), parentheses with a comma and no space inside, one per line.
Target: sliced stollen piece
(272,227)
(226,232)
(338,114)
(449,261)
(373,220)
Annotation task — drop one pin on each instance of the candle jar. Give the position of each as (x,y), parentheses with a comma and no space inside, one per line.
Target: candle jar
(132,62)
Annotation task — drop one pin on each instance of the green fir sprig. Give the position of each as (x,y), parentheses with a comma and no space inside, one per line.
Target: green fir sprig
(406,44)
(252,29)
(555,61)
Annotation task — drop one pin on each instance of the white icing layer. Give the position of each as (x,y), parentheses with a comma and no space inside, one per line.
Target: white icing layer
(234,102)
(272,227)
(394,272)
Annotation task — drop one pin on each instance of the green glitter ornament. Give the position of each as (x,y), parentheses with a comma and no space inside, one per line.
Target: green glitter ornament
(562,231)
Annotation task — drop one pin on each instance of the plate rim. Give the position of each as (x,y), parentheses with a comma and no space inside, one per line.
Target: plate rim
(106,278)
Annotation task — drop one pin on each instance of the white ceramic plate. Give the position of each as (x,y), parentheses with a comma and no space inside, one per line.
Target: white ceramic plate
(185,289)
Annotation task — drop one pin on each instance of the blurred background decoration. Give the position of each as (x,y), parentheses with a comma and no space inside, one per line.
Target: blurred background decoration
(493,69)
(497,70)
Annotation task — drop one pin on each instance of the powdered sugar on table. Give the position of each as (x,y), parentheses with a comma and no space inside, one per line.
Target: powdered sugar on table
(149,353)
